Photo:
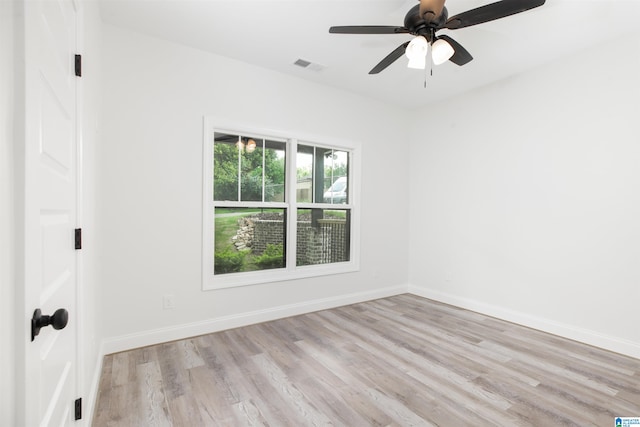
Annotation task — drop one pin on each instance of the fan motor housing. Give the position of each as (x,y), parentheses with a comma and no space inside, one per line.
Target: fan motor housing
(419,25)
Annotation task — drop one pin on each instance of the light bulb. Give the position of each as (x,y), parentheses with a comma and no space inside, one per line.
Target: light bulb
(441,51)
(417,52)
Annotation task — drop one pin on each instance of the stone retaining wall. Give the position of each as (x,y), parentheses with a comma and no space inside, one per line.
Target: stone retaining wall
(326,242)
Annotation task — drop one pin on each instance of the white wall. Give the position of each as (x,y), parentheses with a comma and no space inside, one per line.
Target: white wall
(7,270)
(150,180)
(525,200)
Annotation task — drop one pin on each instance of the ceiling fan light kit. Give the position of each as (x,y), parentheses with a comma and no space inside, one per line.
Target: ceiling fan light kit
(246,145)
(417,53)
(425,19)
(441,51)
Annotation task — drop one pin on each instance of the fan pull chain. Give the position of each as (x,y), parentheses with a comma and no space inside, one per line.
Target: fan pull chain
(430,69)
(431,59)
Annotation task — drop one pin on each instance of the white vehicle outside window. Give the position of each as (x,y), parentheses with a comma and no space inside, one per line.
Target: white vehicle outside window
(337,193)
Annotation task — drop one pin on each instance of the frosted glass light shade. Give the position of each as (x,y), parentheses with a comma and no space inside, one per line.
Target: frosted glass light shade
(441,51)
(417,52)
(418,63)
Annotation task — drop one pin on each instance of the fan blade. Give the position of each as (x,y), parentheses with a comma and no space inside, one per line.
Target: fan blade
(432,9)
(461,56)
(368,29)
(390,59)
(490,12)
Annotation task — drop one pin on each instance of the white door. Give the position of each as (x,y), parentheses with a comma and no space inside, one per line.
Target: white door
(50,204)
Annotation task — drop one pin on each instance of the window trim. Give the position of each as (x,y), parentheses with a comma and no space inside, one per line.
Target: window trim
(291,272)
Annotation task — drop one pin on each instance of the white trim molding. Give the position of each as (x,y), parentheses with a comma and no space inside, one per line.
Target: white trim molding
(172,333)
(607,342)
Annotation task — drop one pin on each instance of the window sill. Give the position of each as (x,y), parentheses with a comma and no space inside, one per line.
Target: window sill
(233,280)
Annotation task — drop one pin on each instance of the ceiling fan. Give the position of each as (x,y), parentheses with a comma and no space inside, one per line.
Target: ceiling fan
(425,19)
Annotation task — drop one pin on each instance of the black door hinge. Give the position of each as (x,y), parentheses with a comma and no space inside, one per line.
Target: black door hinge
(78,409)
(79,65)
(78,238)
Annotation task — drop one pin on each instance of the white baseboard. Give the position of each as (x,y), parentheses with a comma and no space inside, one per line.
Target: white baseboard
(161,335)
(586,336)
(172,333)
(157,336)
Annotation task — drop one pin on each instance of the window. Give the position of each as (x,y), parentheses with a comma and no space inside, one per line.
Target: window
(276,208)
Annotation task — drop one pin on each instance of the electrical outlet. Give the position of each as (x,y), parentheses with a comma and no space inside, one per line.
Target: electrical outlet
(168,302)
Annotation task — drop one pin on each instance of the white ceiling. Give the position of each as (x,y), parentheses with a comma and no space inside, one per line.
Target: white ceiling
(273,34)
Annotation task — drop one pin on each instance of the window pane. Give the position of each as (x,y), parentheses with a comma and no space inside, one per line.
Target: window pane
(304,174)
(322,175)
(248,169)
(249,239)
(225,167)
(323,236)
(251,160)
(274,161)
(336,170)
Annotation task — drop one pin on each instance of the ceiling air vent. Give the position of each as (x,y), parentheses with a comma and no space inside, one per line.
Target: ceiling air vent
(308,65)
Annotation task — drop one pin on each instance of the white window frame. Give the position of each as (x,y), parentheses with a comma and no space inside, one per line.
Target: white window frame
(291,271)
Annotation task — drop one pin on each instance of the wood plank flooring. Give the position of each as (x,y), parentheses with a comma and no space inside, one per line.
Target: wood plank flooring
(398,361)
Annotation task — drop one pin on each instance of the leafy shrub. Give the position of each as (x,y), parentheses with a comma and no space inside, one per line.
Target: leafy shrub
(272,257)
(229,261)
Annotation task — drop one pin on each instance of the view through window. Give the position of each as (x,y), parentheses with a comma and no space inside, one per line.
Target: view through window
(264,219)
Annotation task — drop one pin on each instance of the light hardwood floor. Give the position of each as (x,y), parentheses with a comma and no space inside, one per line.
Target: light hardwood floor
(400,361)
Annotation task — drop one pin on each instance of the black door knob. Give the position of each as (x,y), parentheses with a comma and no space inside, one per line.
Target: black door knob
(58,320)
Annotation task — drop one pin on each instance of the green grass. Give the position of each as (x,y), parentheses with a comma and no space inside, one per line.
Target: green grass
(226,228)
(235,210)
(335,214)
(245,210)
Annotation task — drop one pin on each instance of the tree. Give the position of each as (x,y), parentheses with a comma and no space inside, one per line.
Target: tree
(225,173)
